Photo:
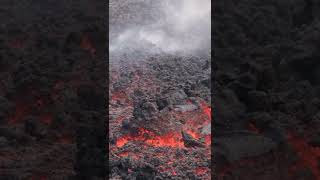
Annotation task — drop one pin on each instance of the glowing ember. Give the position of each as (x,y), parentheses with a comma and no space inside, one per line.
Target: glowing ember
(207,139)
(206,109)
(123,154)
(308,155)
(167,140)
(122,141)
(201,170)
(193,134)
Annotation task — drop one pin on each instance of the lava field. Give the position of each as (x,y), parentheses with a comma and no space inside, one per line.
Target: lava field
(160,118)
(51,61)
(266,90)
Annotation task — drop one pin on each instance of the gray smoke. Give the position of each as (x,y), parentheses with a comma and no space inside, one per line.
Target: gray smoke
(169,26)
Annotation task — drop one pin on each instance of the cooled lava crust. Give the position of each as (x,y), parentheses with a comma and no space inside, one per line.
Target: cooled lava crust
(52,92)
(160,118)
(266,89)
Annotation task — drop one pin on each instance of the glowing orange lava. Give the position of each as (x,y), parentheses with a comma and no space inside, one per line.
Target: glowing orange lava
(168,140)
(122,141)
(193,134)
(206,109)
(201,170)
(207,140)
(124,154)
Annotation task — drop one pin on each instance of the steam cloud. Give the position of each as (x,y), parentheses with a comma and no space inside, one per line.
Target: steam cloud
(182,26)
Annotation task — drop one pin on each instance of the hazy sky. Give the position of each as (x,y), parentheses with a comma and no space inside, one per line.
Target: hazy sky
(184,26)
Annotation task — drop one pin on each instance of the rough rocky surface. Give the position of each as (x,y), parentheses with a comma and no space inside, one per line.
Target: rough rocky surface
(266,87)
(157,130)
(52,89)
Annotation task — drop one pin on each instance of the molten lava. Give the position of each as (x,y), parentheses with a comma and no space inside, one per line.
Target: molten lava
(171,139)
(201,170)
(167,140)
(123,140)
(124,154)
(206,109)
(193,134)
(207,140)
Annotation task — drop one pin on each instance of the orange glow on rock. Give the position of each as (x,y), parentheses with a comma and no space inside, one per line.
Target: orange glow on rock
(66,139)
(207,140)
(201,170)
(122,141)
(124,154)
(168,140)
(193,134)
(206,109)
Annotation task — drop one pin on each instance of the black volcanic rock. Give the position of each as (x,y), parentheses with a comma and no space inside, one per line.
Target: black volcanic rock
(145,110)
(266,55)
(189,141)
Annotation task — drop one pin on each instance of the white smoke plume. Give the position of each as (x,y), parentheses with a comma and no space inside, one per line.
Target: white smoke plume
(168,26)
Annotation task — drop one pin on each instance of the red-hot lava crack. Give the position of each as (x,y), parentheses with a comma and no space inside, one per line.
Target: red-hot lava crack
(171,139)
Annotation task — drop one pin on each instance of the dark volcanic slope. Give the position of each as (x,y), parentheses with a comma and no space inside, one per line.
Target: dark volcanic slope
(160,118)
(52,88)
(266,89)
